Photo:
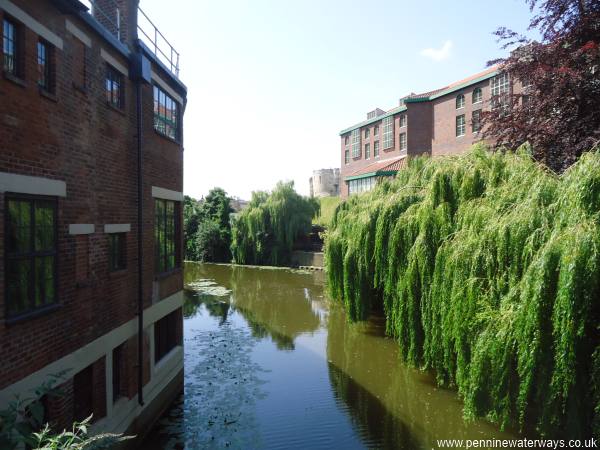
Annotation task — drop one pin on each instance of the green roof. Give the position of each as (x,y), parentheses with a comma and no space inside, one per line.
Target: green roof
(378,173)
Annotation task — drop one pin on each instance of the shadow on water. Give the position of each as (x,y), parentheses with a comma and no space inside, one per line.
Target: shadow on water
(269,363)
(377,427)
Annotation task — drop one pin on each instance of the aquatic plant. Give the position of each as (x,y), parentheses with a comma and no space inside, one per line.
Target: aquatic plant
(265,231)
(487,268)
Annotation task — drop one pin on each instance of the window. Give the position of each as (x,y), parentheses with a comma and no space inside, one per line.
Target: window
(460,125)
(361,185)
(375,149)
(376,130)
(476,121)
(83,393)
(388,132)
(403,141)
(499,90)
(117,251)
(403,120)
(166,114)
(165,234)
(355,143)
(367,133)
(346,140)
(347,156)
(117,371)
(460,101)
(165,335)
(43,64)
(477,95)
(367,151)
(114,87)
(30,254)
(10,47)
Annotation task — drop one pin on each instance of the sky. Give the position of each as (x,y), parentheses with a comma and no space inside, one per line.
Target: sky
(272,82)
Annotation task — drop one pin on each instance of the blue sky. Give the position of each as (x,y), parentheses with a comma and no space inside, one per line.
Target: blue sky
(271,83)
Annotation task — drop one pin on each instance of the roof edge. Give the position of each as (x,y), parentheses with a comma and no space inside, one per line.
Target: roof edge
(391,112)
(452,89)
(448,90)
(377,173)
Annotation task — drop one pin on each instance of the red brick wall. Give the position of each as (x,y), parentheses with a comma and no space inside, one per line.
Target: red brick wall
(420,123)
(75,136)
(445,141)
(360,162)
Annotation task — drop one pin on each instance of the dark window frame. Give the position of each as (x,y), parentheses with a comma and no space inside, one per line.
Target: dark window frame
(114,78)
(117,373)
(163,125)
(117,251)
(83,393)
(30,255)
(165,335)
(166,260)
(18,44)
(45,80)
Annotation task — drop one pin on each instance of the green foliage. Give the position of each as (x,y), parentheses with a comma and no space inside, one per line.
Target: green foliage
(24,415)
(22,424)
(76,439)
(326,211)
(265,231)
(207,228)
(487,268)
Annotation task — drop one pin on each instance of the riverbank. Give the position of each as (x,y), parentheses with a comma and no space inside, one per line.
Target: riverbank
(488,270)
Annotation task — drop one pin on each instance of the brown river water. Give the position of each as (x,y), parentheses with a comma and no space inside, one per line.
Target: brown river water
(272,363)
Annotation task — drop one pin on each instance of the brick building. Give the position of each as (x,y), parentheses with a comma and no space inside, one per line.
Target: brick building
(440,122)
(91,181)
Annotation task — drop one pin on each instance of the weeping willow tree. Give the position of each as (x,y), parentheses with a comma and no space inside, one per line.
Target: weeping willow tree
(487,268)
(264,232)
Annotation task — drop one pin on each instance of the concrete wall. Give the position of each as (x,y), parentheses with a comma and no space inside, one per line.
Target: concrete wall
(308,259)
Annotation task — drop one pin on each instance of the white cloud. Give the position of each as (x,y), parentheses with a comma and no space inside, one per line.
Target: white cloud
(438,54)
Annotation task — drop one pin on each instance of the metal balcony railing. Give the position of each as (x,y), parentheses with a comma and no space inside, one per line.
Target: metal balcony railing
(157,42)
(110,15)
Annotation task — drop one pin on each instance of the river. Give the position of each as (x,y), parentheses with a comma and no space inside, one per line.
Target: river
(271,363)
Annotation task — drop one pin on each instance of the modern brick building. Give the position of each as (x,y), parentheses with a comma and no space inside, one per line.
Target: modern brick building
(325,183)
(441,122)
(91,181)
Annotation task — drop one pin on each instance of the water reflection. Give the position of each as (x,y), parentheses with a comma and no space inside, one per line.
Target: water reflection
(267,299)
(270,363)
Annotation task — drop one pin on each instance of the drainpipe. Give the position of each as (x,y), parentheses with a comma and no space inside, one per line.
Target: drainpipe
(140,250)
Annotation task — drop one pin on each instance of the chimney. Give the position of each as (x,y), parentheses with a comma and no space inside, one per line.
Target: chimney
(119,17)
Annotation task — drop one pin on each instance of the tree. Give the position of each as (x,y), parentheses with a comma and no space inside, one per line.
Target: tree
(191,219)
(558,113)
(207,228)
(264,232)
